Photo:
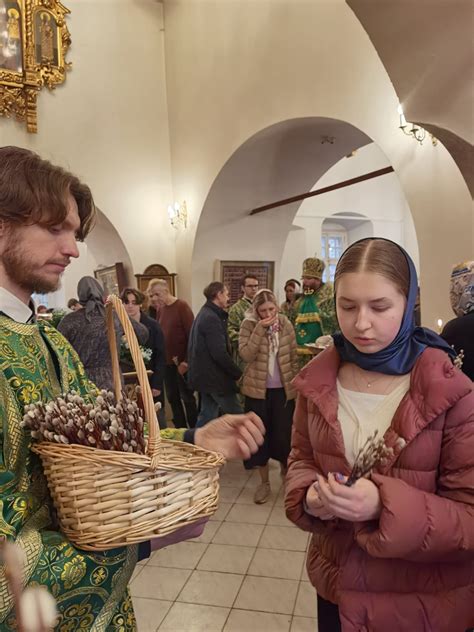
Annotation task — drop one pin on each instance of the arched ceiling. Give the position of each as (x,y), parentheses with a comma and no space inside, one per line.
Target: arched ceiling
(427,49)
(282,160)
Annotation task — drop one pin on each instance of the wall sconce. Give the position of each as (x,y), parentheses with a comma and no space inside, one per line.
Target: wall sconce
(178,215)
(439,323)
(418,133)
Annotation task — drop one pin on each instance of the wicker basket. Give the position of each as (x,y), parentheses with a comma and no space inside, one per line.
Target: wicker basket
(105,499)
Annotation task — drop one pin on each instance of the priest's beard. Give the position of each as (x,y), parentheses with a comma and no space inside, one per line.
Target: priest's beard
(23,271)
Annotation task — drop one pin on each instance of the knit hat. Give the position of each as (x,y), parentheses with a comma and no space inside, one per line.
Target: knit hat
(313,268)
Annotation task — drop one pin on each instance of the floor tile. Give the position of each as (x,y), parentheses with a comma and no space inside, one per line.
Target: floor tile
(222,511)
(306,601)
(228,494)
(235,467)
(286,538)
(267,595)
(226,558)
(303,624)
(251,514)
(189,617)
(155,582)
(182,555)
(280,501)
(209,588)
(136,571)
(251,621)
(233,480)
(238,534)
(284,564)
(150,613)
(208,533)
(278,517)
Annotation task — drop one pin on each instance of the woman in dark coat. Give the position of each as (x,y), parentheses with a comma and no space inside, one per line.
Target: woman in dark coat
(459,332)
(87,332)
(133,300)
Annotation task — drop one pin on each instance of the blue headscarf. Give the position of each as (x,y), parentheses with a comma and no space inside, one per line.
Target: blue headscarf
(410,342)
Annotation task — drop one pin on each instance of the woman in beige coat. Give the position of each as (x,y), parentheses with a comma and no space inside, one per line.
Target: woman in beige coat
(267,344)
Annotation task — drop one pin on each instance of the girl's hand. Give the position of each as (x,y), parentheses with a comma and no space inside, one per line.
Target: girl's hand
(266,322)
(314,505)
(358,503)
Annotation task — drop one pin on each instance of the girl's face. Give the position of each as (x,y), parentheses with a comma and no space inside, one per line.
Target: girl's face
(267,310)
(131,307)
(369,309)
(290,292)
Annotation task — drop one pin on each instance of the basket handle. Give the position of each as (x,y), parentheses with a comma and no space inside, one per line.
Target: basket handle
(114,303)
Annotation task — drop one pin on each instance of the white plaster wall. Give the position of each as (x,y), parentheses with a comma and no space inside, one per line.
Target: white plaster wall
(235,68)
(109,123)
(380,200)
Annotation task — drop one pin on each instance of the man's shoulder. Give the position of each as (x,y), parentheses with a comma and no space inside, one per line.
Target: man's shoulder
(240,306)
(326,292)
(181,304)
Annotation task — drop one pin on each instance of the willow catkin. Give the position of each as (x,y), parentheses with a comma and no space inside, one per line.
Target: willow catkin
(374,452)
(104,424)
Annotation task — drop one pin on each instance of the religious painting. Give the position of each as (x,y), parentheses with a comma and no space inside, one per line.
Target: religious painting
(34,41)
(11,49)
(47,41)
(231,274)
(112,278)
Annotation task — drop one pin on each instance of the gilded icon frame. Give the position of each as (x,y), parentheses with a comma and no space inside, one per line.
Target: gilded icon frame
(34,41)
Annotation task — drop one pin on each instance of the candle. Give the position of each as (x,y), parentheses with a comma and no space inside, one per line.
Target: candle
(403,121)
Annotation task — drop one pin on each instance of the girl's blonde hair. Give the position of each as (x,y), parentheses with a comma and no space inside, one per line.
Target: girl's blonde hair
(262,296)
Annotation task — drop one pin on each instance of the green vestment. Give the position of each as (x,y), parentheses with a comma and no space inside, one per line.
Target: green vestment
(236,316)
(90,588)
(315,317)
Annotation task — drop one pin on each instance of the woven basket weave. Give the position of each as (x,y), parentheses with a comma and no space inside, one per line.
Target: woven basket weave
(105,498)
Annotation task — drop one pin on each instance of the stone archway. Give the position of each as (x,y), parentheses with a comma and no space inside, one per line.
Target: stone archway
(280,161)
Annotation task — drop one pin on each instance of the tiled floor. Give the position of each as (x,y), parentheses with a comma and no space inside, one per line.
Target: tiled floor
(244,574)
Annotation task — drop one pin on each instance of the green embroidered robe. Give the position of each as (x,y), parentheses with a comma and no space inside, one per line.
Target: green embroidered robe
(315,317)
(90,588)
(236,316)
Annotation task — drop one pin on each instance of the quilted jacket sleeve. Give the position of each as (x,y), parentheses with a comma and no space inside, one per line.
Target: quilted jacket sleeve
(302,470)
(250,338)
(424,527)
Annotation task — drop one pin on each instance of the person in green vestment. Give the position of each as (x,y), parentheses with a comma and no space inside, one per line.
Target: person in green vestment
(315,309)
(44,210)
(249,287)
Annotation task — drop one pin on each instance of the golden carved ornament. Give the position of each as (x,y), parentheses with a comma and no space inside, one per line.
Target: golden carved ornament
(34,41)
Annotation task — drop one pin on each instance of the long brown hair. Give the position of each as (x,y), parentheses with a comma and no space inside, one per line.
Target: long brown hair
(376,255)
(34,191)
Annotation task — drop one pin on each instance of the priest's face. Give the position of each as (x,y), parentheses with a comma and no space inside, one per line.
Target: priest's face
(310,283)
(33,257)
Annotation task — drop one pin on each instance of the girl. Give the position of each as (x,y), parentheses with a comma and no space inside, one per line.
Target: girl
(267,344)
(394,551)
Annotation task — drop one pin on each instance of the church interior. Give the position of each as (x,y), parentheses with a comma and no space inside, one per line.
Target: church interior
(222,136)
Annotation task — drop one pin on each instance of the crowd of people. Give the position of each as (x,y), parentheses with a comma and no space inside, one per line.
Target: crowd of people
(393,549)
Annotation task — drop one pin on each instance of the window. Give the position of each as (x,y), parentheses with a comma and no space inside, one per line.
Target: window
(40,299)
(333,244)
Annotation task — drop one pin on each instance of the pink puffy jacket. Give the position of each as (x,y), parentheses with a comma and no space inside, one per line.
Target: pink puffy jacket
(413,569)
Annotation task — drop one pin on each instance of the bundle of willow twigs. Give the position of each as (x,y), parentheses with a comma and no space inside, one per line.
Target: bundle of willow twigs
(374,452)
(106,424)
